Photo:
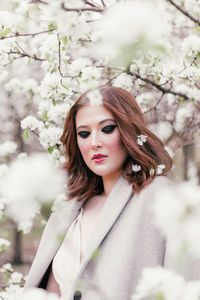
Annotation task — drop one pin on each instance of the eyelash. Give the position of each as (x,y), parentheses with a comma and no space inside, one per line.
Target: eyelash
(106,129)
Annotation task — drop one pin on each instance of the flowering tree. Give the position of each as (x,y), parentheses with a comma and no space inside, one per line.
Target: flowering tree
(52,51)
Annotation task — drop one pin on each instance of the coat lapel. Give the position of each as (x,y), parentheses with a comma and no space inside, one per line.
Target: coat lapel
(52,237)
(116,201)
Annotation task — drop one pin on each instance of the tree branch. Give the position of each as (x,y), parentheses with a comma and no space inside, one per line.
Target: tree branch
(59,57)
(81,9)
(26,34)
(89,3)
(154,106)
(159,87)
(184,12)
(103,3)
(23,55)
(39,1)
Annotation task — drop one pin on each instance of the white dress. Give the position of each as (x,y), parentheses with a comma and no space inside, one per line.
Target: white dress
(67,260)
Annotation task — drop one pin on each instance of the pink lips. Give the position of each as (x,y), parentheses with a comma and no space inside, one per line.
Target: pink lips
(98,158)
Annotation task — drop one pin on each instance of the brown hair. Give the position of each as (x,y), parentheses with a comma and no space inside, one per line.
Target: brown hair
(82,182)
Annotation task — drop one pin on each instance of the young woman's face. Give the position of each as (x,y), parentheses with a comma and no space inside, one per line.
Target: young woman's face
(99,141)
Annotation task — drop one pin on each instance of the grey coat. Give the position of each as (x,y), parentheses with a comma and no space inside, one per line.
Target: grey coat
(124,241)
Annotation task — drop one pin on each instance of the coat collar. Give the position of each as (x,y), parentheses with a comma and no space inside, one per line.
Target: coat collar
(116,201)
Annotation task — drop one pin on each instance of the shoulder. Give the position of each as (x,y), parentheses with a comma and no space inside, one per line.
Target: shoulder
(158,183)
(146,197)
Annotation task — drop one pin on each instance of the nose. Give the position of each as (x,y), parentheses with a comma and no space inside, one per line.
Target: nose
(96,140)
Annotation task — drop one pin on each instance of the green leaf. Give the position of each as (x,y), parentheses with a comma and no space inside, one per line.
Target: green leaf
(26,133)
(45,116)
(181,100)
(5,32)
(54,102)
(65,40)
(159,296)
(65,87)
(50,149)
(52,26)
(198,28)
(198,55)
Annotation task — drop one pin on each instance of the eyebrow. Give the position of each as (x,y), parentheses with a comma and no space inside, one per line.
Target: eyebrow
(101,122)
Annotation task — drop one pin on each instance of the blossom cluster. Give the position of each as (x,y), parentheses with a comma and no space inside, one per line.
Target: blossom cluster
(49,55)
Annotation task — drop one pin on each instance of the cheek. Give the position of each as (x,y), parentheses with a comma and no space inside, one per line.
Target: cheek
(83,147)
(114,143)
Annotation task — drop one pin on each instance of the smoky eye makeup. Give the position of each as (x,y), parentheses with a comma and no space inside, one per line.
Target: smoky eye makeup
(108,128)
(83,133)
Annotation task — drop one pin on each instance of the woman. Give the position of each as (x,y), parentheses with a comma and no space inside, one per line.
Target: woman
(113,160)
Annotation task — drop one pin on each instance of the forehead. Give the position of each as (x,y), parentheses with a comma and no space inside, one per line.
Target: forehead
(92,114)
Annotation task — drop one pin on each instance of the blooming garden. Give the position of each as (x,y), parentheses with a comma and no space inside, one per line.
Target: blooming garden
(53,51)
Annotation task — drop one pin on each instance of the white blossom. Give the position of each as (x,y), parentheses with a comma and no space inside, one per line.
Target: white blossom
(32,123)
(52,88)
(58,112)
(95,97)
(6,267)
(50,137)
(160,169)
(136,168)
(25,226)
(123,81)
(144,99)
(4,244)
(3,170)
(177,213)
(141,139)
(159,281)
(59,203)
(15,278)
(35,293)
(90,73)
(7,147)
(78,65)
(57,159)
(191,45)
(11,292)
(125,22)
(162,129)
(31,181)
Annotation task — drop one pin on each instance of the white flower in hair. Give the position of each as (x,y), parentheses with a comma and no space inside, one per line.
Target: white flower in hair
(136,168)
(160,169)
(152,171)
(141,139)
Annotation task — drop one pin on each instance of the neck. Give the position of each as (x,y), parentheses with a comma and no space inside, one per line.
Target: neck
(109,182)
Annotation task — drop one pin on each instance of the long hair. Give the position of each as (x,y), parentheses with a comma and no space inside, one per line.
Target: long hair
(82,182)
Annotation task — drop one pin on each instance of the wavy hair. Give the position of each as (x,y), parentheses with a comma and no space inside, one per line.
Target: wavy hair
(82,182)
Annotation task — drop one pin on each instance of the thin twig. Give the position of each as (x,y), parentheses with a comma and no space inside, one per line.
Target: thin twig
(24,55)
(59,56)
(26,34)
(89,3)
(159,87)
(154,106)
(184,12)
(18,45)
(103,3)
(81,9)
(39,1)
